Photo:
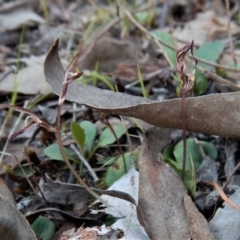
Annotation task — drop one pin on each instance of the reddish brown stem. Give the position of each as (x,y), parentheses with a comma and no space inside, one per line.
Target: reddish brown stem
(184,133)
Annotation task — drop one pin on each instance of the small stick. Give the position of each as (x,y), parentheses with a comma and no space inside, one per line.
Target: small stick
(84,161)
(25,175)
(34,178)
(230,34)
(11,132)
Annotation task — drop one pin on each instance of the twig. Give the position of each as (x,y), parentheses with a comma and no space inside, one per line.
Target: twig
(219,79)
(229,33)
(224,197)
(217,65)
(12,130)
(146,77)
(200,148)
(224,189)
(230,177)
(35,133)
(34,178)
(84,161)
(25,175)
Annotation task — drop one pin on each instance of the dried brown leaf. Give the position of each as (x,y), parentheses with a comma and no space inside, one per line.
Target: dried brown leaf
(216,114)
(198,226)
(17,19)
(109,53)
(225,223)
(161,192)
(129,72)
(207,26)
(124,211)
(6,193)
(12,223)
(73,217)
(65,193)
(30,79)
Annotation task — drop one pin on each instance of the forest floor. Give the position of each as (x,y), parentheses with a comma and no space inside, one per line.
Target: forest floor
(119,119)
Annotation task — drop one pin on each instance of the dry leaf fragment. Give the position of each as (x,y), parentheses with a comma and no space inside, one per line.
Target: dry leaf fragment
(161,192)
(66,193)
(30,79)
(6,193)
(12,223)
(216,114)
(70,217)
(206,27)
(109,53)
(207,171)
(125,211)
(225,224)
(129,72)
(198,226)
(91,234)
(17,19)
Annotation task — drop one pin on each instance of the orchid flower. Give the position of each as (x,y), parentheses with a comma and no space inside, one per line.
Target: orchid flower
(187,78)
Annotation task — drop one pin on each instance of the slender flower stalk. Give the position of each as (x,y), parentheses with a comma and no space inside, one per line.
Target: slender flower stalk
(187,82)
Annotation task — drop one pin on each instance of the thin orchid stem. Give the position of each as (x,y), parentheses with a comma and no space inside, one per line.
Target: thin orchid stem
(184,134)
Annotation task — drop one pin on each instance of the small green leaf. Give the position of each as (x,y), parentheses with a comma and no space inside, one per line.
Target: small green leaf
(201,83)
(27,170)
(232,65)
(142,17)
(78,134)
(193,151)
(90,133)
(107,136)
(189,181)
(168,153)
(53,152)
(209,149)
(209,51)
(43,228)
(117,169)
(169,54)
